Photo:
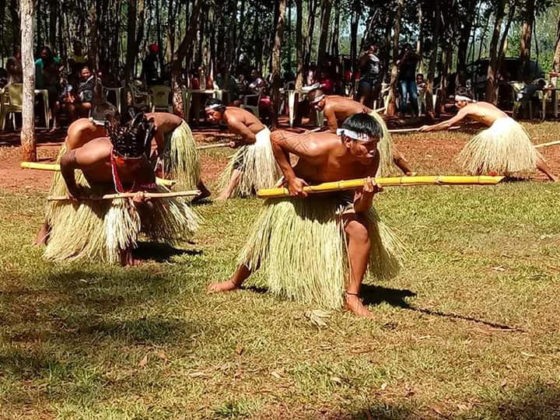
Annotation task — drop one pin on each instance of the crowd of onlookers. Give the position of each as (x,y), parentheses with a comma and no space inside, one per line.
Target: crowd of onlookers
(70,82)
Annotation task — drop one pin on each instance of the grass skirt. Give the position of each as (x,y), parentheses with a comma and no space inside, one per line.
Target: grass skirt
(258,165)
(504,148)
(101,229)
(300,246)
(385,147)
(180,158)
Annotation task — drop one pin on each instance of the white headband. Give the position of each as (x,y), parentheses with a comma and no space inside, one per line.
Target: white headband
(352,134)
(97,122)
(213,106)
(317,99)
(464,98)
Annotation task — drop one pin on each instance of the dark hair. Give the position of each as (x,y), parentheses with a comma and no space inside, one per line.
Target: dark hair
(463,91)
(363,123)
(420,74)
(133,139)
(315,93)
(214,101)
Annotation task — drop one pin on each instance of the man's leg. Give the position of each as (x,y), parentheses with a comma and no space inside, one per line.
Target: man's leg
(235,281)
(402,163)
(403,104)
(233,182)
(357,236)
(43,234)
(545,169)
(413,92)
(204,192)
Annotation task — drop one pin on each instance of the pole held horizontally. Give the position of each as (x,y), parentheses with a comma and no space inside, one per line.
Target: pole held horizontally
(552,143)
(413,130)
(54,167)
(212,146)
(385,182)
(131,195)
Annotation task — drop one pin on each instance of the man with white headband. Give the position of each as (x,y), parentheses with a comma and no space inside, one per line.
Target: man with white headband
(504,148)
(253,166)
(337,108)
(177,154)
(317,249)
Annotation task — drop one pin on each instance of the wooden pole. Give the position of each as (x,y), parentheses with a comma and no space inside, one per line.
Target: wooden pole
(385,182)
(28,140)
(552,143)
(131,195)
(212,146)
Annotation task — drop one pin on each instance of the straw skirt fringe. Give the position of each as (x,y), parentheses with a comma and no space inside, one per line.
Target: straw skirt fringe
(101,229)
(181,158)
(300,247)
(258,165)
(385,147)
(504,148)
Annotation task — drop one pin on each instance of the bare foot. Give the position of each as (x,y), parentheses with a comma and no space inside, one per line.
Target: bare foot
(53,129)
(225,286)
(411,173)
(354,304)
(42,235)
(221,197)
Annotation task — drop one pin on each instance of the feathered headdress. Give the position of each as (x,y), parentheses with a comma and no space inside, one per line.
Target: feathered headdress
(133,139)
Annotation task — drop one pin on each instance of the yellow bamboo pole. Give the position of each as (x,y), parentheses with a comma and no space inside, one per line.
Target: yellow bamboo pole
(56,167)
(130,195)
(385,182)
(552,143)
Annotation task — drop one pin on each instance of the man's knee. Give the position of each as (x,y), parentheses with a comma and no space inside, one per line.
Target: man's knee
(357,231)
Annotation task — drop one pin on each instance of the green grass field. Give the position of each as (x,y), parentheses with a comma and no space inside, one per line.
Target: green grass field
(469,329)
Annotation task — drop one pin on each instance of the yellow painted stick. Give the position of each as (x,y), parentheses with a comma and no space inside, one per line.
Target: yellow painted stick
(130,195)
(385,182)
(552,143)
(56,167)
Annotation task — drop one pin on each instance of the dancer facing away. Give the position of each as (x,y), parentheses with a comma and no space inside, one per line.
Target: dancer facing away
(177,154)
(107,230)
(504,148)
(253,166)
(318,248)
(337,108)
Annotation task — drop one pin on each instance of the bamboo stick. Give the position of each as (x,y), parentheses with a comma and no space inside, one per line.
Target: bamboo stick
(412,130)
(212,146)
(131,195)
(56,167)
(552,143)
(385,182)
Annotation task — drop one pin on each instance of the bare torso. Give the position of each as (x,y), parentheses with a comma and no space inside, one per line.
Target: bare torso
(81,132)
(165,123)
(333,162)
(94,160)
(483,112)
(338,108)
(239,120)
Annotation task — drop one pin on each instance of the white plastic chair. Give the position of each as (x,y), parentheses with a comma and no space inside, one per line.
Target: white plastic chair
(253,108)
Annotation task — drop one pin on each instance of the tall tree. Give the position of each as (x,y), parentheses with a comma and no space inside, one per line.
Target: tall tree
(278,39)
(299,44)
(499,14)
(28,141)
(326,7)
(556,61)
(528,16)
(391,107)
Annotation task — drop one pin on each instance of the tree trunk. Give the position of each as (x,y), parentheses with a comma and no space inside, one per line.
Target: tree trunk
(556,61)
(182,51)
(130,40)
(15,22)
(494,53)
(433,60)
(465,30)
(93,54)
(310,29)
(299,44)
(276,61)
(326,8)
(28,146)
(354,22)
(391,107)
(526,33)
(420,39)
